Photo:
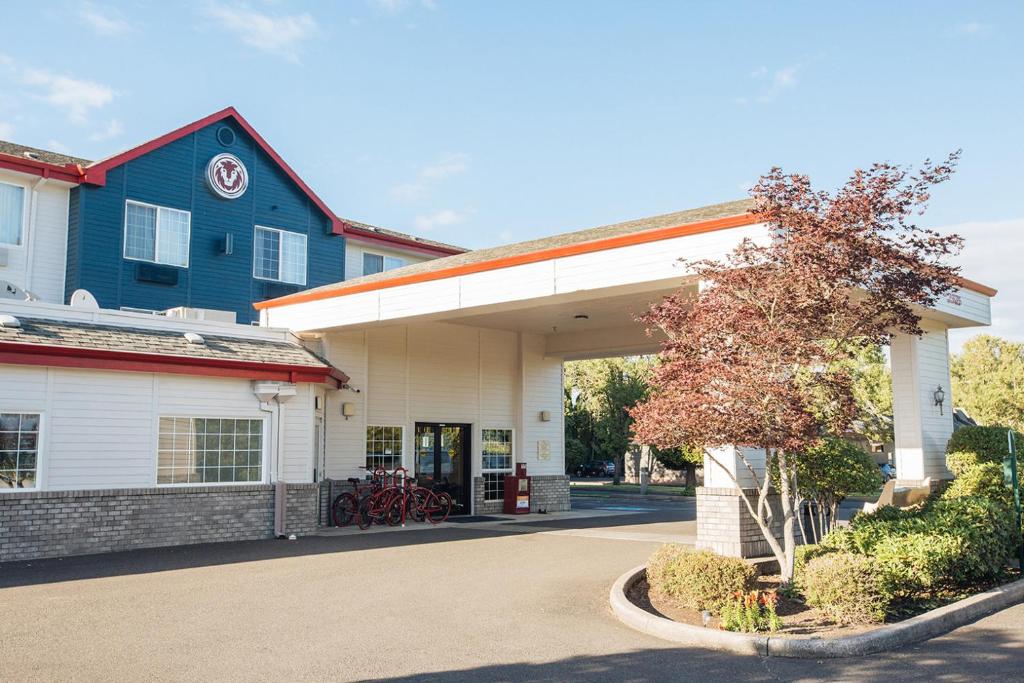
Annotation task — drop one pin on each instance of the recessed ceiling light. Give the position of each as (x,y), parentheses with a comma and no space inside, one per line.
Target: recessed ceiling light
(581,316)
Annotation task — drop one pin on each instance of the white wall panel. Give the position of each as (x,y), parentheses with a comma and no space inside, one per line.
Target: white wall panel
(38,264)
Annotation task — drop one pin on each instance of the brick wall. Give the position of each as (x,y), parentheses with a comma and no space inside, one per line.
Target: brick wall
(58,523)
(724,524)
(550,492)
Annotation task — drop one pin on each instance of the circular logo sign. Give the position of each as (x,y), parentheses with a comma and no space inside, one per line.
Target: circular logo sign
(226,175)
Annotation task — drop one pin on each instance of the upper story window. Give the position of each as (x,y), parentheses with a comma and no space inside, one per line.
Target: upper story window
(279,255)
(156,233)
(12,213)
(378,263)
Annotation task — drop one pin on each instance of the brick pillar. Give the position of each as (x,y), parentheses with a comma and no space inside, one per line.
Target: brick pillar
(724,524)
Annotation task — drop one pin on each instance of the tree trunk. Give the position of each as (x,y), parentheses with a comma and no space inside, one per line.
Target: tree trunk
(690,475)
(788,537)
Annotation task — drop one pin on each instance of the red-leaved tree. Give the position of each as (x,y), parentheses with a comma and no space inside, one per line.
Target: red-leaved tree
(751,359)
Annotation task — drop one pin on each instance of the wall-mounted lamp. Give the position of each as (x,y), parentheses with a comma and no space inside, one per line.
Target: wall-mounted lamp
(545,416)
(940,396)
(348,410)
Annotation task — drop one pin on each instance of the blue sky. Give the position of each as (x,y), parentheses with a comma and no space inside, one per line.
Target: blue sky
(482,122)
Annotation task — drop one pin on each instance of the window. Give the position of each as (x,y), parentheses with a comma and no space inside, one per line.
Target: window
(201,450)
(279,255)
(497,461)
(383,447)
(378,263)
(19,449)
(12,213)
(156,234)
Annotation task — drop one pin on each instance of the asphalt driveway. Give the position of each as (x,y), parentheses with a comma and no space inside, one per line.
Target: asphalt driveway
(491,601)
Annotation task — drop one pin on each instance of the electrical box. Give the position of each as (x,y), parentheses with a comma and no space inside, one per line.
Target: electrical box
(517,491)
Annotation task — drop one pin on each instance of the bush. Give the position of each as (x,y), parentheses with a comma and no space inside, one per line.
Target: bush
(846,588)
(959,462)
(983,479)
(803,555)
(987,443)
(917,563)
(697,580)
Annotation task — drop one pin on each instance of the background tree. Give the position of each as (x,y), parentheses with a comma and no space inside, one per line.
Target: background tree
(599,419)
(685,458)
(872,393)
(756,357)
(988,381)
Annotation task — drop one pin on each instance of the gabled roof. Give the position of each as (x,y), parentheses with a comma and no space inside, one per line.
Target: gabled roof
(703,219)
(44,155)
(96,172)
(66,343)
(400,239)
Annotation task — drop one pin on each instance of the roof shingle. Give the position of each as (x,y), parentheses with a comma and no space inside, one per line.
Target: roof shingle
(46,156)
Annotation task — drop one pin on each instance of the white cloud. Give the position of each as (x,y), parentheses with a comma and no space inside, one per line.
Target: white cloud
(989,257)
(105,21)
(112,130)
(6,130)
(282,35)
(439,219)
(77,97)
(57,146)
(974,28)
(772,83)
(396,6)
(427,177)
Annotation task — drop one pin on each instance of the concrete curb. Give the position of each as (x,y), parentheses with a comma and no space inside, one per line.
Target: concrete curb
(892,636)
(635,497)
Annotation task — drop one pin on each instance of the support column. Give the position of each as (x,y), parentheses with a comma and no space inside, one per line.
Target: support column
(724,524)
(921,428)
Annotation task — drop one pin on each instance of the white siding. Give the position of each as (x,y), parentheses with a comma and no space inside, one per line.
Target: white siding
(100,427)
(919,366)
(432,373)
(38,265)
(541,390)
(355,249)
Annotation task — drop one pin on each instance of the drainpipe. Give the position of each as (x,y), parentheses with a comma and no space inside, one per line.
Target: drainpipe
(30,238)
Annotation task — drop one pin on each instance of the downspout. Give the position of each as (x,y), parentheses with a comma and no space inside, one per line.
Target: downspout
(30,238)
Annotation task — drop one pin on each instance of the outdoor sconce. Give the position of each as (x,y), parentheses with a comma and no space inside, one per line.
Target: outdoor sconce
(348,410)
(545,416)
(939,395)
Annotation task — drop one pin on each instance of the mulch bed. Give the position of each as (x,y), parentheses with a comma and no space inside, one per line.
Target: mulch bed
(797,618)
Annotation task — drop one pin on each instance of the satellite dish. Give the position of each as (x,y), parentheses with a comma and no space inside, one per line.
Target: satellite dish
(84,300)
(9,290)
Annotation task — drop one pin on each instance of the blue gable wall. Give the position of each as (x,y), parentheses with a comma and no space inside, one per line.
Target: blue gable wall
(174,176)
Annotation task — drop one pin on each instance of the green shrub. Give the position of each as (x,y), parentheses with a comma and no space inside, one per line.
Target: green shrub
(984,479)
(917,563)
(959,462)
(752,612)
(988,443)
(697,580)
(987,529)
(846,588)
(803,555)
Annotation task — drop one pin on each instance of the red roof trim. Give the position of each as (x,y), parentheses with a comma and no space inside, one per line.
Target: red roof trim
(13,353)
(364,235)
(69,174)
(96,172)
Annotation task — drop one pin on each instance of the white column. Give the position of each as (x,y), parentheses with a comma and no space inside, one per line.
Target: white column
(921,428)
(727,461)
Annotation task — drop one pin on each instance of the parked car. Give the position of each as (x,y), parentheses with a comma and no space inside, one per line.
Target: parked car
(887,471)
(596,468)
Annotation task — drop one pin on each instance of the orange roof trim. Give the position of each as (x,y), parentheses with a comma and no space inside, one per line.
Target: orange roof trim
(545,255)
(519,259)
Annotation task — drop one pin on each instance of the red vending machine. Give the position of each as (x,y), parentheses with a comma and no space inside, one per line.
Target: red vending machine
(517,491)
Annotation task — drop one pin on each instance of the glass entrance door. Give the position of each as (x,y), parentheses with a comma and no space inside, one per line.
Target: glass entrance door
(443,462)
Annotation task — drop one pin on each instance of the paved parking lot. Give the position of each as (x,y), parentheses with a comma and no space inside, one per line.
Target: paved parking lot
(524,600)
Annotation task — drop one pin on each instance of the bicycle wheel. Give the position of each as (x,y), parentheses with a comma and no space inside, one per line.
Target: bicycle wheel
(439,508)
(394,514)
(416,501)
(345,509)
(364,519)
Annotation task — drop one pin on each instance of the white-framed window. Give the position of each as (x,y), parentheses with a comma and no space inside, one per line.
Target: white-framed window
(209,450)
(496,461)
(12,214)
(19,450)
(378,263)
(156,233)
(383,447)
(279,255)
